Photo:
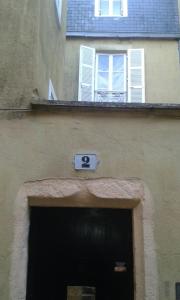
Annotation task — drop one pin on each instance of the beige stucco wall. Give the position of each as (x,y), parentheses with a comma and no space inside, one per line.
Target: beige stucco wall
(31,50)
(162,69)
(37,146)
(49,63)
(17,46)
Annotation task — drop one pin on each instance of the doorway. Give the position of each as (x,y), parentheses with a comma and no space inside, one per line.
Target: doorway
(80,249)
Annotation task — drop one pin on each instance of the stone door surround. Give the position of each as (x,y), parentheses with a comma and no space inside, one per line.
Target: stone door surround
(101,193)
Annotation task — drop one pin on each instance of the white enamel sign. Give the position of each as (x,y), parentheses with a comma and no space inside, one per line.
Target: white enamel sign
(85,162)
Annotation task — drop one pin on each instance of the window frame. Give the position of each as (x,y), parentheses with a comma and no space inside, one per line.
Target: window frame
(110,80)
(123,14)
(51,92)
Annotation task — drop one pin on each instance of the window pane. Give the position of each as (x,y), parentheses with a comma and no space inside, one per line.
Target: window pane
(103,62)
(104,7)
(118,63)
(117,7)
(102,82)
(118,82)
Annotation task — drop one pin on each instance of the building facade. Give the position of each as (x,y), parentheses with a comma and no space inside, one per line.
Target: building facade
(89,150)
(143,35)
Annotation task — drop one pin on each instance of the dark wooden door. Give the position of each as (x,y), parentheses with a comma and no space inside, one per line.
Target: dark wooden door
(80,247)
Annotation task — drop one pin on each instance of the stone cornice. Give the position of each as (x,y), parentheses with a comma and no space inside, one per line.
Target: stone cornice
(143,108)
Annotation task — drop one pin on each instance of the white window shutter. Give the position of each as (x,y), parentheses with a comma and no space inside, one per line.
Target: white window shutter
(51,92)
(124,8)
(59,9)
(97,8)
(86,74)
(136,80)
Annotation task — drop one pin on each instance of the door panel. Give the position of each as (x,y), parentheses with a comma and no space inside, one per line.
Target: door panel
(82,247)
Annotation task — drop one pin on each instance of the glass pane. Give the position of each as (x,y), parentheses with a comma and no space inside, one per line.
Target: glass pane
(116,8)
(118,82)
(102,82)
(103,62)
(104,7)
(118,63)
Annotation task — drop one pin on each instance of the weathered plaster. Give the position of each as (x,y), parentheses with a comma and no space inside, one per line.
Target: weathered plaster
(104,192)
(32,44)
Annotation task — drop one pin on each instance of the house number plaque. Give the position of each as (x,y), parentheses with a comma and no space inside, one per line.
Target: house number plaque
(85,162)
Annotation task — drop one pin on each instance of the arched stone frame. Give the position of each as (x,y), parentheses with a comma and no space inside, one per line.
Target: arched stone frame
(103,193)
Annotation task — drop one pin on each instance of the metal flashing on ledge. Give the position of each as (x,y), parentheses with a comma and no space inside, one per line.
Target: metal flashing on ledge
(55,106)
(119,35)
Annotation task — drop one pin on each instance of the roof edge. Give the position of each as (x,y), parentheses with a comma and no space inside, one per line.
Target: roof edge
(164,36)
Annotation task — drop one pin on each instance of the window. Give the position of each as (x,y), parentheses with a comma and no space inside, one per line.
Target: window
(58,4)
(111,8)
(111,77)
(51,92)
